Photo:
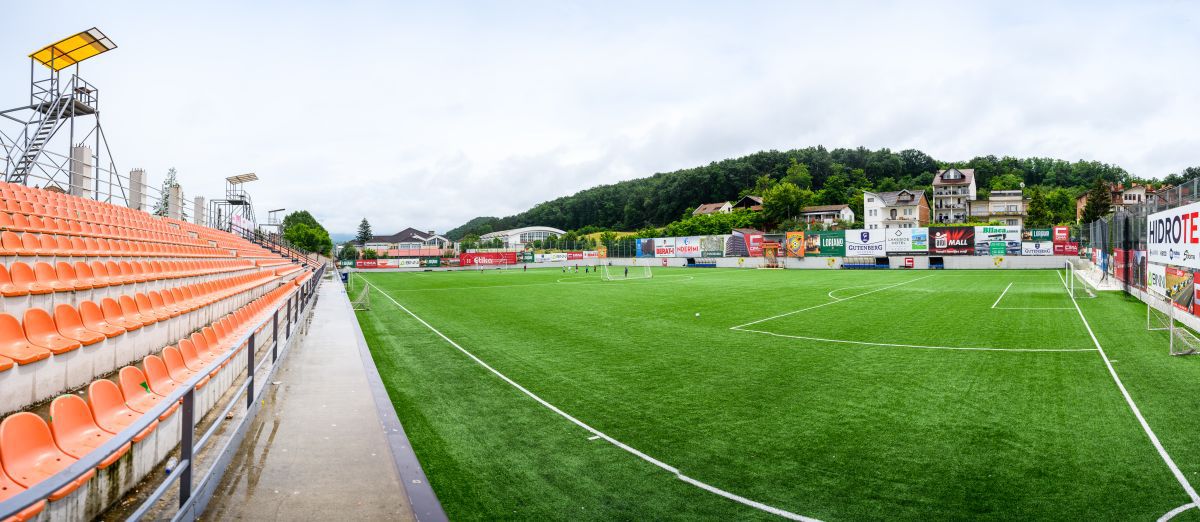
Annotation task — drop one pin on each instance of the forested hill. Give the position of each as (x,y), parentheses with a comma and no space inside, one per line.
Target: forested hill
(836,177)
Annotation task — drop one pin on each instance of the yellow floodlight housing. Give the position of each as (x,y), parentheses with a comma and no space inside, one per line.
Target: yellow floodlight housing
(73,49)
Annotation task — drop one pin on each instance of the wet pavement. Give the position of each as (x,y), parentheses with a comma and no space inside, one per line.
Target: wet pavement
(316,450)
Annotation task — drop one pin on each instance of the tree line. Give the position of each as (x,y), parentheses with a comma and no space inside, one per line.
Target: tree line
(792,179)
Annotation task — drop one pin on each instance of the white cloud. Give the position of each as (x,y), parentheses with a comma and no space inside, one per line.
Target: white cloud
(428,115)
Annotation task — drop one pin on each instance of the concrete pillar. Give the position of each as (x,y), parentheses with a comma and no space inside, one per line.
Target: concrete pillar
(198,210)
(137,189)
(175,202)
(81,178)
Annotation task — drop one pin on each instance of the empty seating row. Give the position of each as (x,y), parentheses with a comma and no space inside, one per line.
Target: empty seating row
(32,449)
(34,244)
(21,278)
(51,204)
(43,355)
(20,222)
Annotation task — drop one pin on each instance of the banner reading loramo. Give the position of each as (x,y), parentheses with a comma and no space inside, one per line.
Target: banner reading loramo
(864,243)
(487,258)
(907,240)
(824,243)
(1173,236)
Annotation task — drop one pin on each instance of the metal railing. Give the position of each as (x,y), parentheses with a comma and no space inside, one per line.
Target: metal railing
(189,502)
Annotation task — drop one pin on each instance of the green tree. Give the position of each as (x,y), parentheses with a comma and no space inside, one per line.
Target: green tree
(364,232)
(1039,215)
(1007,181)
(161,207)
(797,174)
(762,184)
(1062,204)
(782,202)
(312,239)
(1099,201)
(370,253)
(348,252)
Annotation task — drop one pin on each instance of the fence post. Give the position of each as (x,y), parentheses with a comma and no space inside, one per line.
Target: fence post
(289,315)
(250,372)
(275,336)
(188,425)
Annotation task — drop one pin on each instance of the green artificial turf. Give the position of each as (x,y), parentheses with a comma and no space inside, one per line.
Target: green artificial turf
(886,395)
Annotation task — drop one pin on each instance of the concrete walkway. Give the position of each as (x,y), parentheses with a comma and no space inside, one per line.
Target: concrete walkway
(317,449)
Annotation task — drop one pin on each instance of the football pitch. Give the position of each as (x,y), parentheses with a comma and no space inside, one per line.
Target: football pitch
(758,394)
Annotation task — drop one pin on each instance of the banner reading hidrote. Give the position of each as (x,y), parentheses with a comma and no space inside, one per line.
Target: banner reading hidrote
(1173,236)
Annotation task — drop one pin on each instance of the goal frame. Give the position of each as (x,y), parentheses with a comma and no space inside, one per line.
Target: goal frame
(1162,315)
(642,272)
(1077,287)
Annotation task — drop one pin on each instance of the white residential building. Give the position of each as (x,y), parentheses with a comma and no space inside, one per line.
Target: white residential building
(953,192)
(899,209)
(1006,206)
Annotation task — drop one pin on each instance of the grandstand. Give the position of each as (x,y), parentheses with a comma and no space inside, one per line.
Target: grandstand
(119,331)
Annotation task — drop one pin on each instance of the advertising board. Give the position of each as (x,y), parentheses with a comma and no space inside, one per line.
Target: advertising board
(1173,236)
(687,246)
(1158,279)
(1180,288)
(793,244)
(664,247)
(1038,235)
(712,246)
(1066,249)
(824,243)
(952,240)
(487,258)
(1037,248)
(907,240)
(865,243)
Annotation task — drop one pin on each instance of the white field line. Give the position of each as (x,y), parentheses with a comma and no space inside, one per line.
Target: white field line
(1172,513)
(1162,452)
(740,326)
(675,471)
(1034,308)
(921,346)
(1002,295)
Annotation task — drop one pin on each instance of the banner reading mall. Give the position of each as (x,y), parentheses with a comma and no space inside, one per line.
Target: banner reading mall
(1173,236)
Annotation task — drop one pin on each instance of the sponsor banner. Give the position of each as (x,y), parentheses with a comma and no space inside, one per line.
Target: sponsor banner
(825,243)
(687,246)
(1038,235)
(602,252)
(997,233)
(664,247)
(712,246)
(1173,236)
(1180,288)
(590,254)
(645,247)
(367,263)
(1158,279)
(1120,264)
(793,244)
(557,257)
(865,243)
(1195,290)
(487,258)
(1139,269)
(241,225)
(952,240)
(741,244)
(1062,234)
(1037,248)
(1066,249)
(431,261)
(526,256)
(574,256)
(907,240)
(997,248)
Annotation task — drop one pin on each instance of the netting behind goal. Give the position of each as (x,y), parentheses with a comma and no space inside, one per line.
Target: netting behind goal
(362,301)
(1077,285)
(615,273)
(1163,315)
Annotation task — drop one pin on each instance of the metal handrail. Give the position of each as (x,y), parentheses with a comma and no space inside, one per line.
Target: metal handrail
(185,395)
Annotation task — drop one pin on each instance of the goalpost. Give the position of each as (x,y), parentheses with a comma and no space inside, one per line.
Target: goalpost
(1161,316)
(363,300)
(617,273)
(1076,284)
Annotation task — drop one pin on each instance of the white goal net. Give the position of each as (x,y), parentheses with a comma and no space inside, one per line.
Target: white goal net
(362,301)
(615,273)
(1162,315)
(1077,285)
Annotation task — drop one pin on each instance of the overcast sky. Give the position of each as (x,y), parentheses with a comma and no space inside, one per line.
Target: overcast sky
(429,114)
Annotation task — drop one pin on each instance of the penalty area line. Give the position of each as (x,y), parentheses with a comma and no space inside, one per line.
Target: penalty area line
(918,346)
(599,434)
(1002,295)
(835,301)
(1172,513)
(1162,451)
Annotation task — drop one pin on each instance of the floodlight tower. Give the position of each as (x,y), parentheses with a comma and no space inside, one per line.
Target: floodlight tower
(62,108)
(237,209)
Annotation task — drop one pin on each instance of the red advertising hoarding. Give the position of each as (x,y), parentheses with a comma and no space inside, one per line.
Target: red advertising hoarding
(1062,234)
(1066,249)
(574,256)
(952,240)
(754,244)
(366,263)
(487,258)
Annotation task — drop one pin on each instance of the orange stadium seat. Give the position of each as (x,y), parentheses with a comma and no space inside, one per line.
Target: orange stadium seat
(29,455)
(8,489)
(75,430)
(111,412)
(138,394)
